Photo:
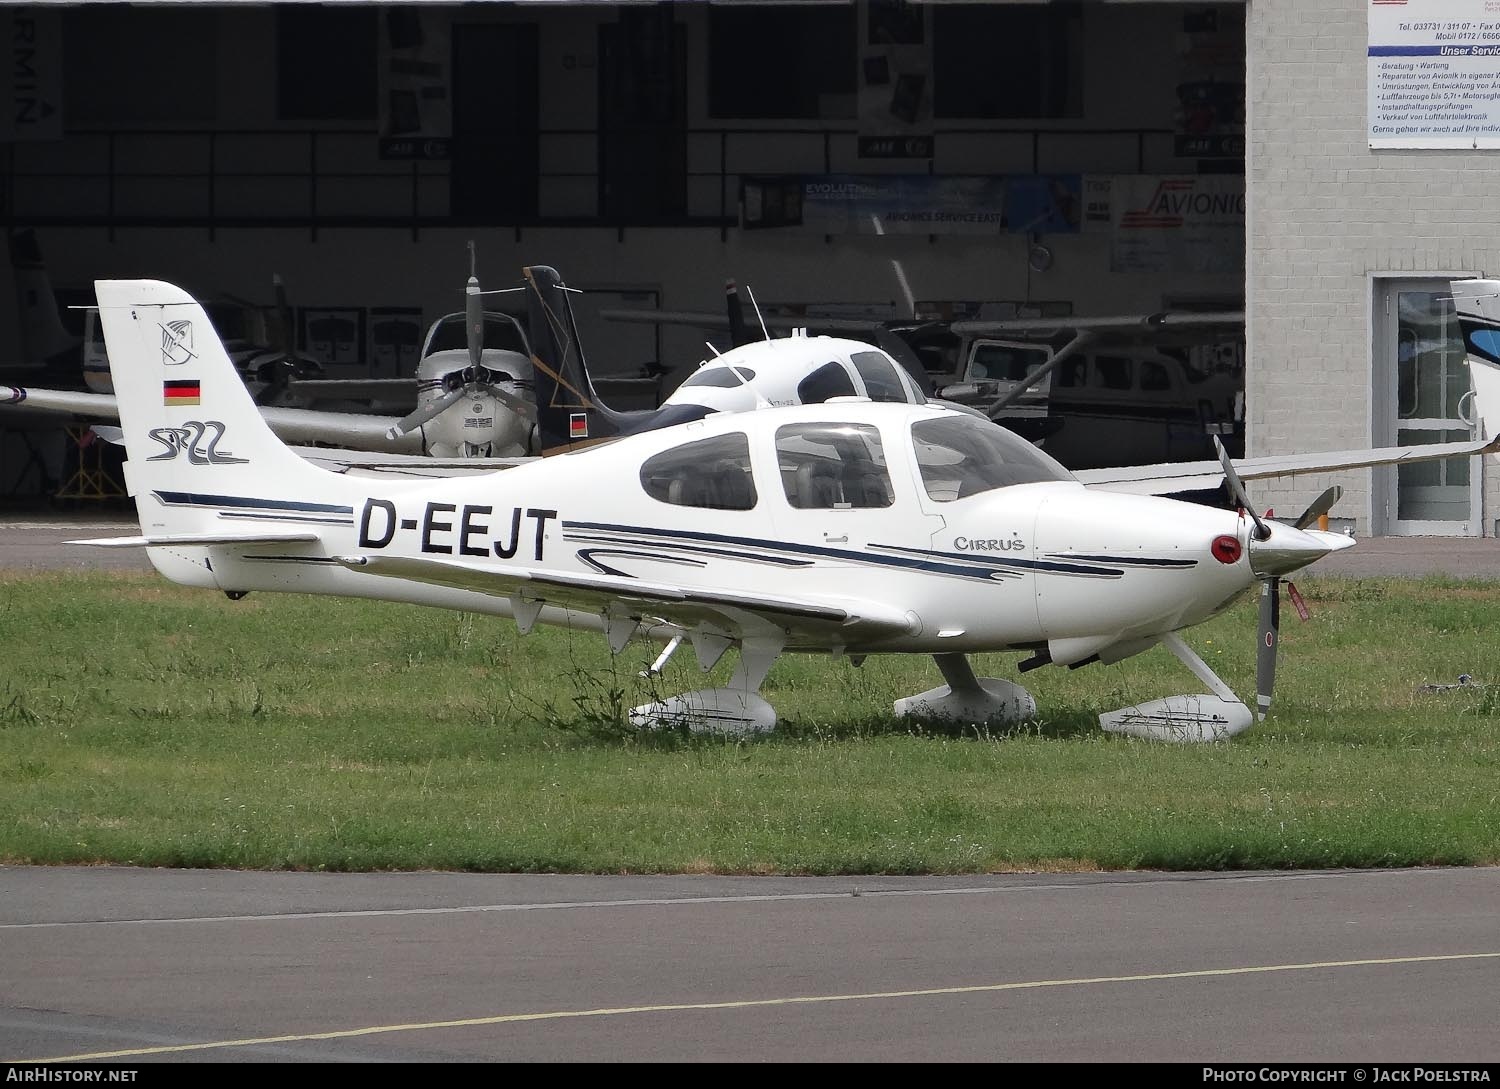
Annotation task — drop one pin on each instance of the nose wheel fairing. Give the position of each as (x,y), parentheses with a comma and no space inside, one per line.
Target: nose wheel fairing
(1215,717)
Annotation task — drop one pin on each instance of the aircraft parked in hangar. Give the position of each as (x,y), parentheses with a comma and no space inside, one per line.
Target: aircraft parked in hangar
(1093,391)
(757,373)
(850,528)
(473,406)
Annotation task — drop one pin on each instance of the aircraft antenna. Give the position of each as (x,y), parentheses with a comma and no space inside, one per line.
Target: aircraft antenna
(758,316)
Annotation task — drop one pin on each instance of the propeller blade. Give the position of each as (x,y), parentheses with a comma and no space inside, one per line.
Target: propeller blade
(513,401)
(1265,652)
(1237,489)
(1319,507)
(474,314)
(425,413)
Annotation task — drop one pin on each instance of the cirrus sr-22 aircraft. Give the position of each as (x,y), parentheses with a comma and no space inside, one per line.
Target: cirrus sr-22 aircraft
(851,527)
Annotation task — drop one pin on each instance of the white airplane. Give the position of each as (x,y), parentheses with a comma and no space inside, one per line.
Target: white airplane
(473,402)
(1094,391)
(849,528)
(755,374)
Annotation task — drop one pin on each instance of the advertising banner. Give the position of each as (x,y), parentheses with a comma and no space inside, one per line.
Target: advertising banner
(1177,224)
(895,80)
(916,203)
(1433,73)
(416,79)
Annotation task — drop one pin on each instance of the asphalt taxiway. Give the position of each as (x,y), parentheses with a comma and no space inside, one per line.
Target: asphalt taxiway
(133,966)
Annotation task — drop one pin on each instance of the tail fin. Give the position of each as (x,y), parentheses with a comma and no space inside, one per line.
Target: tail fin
(1478,305)
(192,431)
(739,330)
(570,415)
(42,333)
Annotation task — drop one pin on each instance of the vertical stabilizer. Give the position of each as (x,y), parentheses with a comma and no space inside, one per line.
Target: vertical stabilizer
(739,329)
(196,441)
(43,336)
(569,413)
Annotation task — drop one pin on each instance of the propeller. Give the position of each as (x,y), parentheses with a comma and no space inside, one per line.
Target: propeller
(475,376)
(1272,554)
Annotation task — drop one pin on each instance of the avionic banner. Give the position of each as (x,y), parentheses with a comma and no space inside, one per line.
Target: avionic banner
(915,203)
(1433,75)
(1178,224)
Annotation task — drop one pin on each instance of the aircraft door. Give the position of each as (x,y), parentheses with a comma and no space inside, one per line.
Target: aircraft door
(841,497)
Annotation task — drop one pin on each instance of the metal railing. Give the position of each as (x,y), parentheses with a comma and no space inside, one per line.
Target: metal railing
(320,178)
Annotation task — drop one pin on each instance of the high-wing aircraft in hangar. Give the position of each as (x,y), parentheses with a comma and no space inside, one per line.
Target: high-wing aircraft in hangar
(1094,392)
(851,527)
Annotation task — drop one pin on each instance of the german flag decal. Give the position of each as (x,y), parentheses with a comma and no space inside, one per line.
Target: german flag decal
(180,393)
(578,426)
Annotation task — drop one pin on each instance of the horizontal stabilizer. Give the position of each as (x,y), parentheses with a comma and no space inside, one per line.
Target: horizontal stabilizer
(201,539)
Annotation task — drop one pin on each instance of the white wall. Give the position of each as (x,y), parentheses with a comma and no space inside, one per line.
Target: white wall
(1327,215)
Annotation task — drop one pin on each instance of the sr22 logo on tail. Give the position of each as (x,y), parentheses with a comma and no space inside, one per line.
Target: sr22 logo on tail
(189,437)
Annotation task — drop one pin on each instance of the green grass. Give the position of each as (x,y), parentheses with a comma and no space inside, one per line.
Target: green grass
(145,724)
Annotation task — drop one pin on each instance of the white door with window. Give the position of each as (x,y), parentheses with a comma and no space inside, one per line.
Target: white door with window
(1421,387)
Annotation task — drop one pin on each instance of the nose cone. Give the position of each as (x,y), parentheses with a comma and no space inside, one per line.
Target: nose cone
(1288,549)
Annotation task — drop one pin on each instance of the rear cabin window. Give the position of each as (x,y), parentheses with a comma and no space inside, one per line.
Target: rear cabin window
(1154,377)
(829,380)
(827,466)
(712,473)
(878,371)
(1113,371)
(725,377)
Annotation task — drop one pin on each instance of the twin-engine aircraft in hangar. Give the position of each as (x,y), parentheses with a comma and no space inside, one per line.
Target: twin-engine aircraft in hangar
(850,528)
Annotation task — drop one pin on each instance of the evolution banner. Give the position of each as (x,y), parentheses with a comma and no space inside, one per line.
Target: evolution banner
(915,203)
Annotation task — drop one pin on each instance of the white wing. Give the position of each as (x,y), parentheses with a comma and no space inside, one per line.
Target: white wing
(1197,475)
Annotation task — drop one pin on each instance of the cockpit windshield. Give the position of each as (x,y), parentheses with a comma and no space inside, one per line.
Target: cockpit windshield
(960,456)
(500,331)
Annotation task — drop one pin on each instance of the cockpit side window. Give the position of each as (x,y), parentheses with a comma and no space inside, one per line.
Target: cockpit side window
(960,456)
(827,466)
(1005,362)
(829,380)
(713,473)
(878,371)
